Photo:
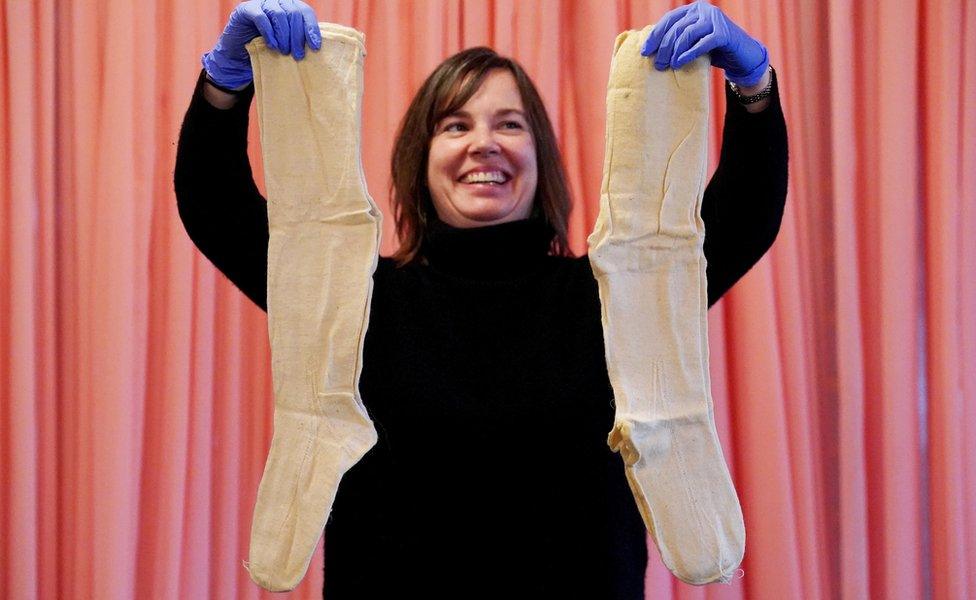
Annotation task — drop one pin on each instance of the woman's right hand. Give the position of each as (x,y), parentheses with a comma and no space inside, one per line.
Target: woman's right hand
(285,25)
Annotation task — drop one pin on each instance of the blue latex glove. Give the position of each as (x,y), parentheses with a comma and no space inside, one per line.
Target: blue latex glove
(285,25)
(687,32)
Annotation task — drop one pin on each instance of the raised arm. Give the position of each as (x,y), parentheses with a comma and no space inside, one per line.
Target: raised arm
(220,206)
(743,203)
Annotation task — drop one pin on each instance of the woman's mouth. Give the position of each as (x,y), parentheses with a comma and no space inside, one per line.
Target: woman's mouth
(488,178)
(486,184)
(488,189)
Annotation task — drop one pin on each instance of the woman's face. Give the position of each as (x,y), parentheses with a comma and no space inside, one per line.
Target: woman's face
(486,139)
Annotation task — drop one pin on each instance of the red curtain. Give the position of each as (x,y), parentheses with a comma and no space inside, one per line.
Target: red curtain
(135,380)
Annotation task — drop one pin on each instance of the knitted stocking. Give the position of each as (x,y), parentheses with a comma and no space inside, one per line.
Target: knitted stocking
(322,252)
(646,254)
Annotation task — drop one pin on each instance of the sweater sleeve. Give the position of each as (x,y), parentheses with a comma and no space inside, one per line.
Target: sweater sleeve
(743,204)
(221,208)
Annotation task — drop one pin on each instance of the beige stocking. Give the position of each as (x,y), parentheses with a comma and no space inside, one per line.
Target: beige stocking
(646,253)
(324,238)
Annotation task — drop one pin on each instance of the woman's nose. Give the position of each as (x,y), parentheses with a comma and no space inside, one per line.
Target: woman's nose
(484,143)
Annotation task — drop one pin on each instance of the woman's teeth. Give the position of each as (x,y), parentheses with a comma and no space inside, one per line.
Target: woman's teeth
(493,178)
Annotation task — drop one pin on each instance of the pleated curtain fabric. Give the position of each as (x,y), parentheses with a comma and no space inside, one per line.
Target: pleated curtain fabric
(135,382)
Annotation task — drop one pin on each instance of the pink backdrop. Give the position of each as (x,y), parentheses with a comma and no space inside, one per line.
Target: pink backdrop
(136,406)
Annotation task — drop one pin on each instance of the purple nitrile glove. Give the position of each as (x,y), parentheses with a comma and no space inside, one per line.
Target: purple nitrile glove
(285,25)
(687,32)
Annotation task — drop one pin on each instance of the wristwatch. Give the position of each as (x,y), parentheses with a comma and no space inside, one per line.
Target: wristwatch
(762,95)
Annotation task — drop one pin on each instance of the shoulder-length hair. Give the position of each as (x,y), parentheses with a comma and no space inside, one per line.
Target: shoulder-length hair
(445,91)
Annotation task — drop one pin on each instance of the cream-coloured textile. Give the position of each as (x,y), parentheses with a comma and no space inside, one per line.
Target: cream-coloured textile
(647,257)
(322,252)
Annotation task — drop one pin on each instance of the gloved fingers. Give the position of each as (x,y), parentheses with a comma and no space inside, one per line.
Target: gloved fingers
(662,26)
(279,22)
(296,28)
(705,44)
(689,39)
(310,26)
(664,53)
(738,53)
(254,13)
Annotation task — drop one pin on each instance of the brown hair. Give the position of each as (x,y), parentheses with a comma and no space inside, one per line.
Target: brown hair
(446,90)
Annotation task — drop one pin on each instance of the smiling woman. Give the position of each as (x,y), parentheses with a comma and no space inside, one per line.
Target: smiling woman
(478,112)
(481,169)
(483,365)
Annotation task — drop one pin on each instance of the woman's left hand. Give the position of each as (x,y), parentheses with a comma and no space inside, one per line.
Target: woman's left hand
(687,32)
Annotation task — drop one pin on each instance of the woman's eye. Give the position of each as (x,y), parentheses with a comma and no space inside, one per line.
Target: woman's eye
(459,126)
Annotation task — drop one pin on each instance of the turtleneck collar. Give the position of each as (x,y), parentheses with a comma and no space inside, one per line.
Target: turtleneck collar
(492,252)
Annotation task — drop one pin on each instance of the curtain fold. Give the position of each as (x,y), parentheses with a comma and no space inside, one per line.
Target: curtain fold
(843,466)
(947,153)
(134,379)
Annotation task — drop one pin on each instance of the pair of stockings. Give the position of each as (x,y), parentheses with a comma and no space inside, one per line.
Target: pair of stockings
(322,252)
(646,251)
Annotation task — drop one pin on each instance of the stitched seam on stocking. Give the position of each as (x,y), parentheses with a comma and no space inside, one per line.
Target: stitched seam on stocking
(665,401)
(347,80)
(305,456)
(358,153)
(644,506)
(703,361)
(364,315)
(363,325)
(603,289)
(667,182)
(609,167)
(320,139)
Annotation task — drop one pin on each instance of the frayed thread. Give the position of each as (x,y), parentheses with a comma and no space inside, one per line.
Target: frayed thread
(737,574)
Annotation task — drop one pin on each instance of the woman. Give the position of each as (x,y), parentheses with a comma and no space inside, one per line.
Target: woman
(484,368)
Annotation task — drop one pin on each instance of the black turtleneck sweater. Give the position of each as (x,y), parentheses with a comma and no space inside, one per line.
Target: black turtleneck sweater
(485,375)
